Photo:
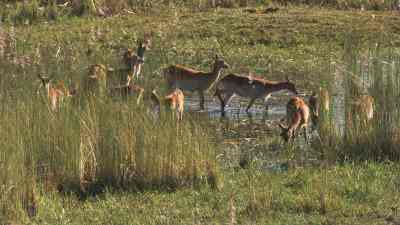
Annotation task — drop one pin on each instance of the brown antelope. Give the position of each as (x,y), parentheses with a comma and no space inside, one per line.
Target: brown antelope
(249,87)
(55,94)
(297,117)
(175,101)
(319,104)
(363,108)
(128,90)
(187,79)
(96,81)
(134,61)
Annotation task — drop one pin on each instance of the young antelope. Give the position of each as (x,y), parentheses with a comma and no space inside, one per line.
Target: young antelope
(191,80)
(297,118)
(175,102)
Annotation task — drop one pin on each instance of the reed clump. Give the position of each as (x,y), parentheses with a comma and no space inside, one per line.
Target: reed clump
(363,123)
(106,143)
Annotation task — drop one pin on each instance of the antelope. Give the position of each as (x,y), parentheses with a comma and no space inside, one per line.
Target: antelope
(175,101)
(134,61)
(128,90)
(363,107)
(191,80)
(55,94)
(315,102)
(96,81)
(297,117)
(249,87)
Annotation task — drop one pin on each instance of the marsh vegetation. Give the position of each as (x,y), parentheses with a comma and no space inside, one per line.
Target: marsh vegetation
(97,159)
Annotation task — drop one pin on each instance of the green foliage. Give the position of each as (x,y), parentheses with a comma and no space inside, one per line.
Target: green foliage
(52,11)
(27,12)
(84,7)
(349,135)
(348,4)
(139,166)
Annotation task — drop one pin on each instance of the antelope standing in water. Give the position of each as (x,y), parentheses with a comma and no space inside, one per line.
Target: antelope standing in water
(249,87)
(187,79)
(175,101)
(55,94)
(319,105)
(297,118)
(134,61)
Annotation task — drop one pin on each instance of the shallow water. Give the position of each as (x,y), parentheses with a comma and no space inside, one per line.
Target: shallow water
(248,137)
(236,110)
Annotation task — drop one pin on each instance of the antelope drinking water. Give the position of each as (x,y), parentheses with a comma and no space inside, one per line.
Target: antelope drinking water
(297,118)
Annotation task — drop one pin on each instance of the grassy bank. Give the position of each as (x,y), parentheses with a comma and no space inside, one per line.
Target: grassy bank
(295,42)
(346,194)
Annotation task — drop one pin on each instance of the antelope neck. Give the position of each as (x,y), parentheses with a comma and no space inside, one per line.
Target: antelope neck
(216,71)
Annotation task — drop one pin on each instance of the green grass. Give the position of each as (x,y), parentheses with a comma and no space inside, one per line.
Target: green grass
(107,161)
(352,194)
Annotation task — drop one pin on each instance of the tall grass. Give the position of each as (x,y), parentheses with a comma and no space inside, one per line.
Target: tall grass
(87,147)
(346,134)
(374,72)
(107,143)
(31,11)
(348,4)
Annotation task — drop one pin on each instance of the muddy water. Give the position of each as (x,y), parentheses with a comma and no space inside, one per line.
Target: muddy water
(248,137)
(236,110)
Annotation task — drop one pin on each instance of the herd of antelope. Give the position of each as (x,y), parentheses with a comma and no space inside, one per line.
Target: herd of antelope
(181,79)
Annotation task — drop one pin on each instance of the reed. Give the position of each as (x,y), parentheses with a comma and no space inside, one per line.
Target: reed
(348,132)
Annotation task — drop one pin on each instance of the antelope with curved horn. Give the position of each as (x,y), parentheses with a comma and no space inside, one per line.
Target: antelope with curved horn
(297,117)
(175,101)
(249,87)
(134,61)
(187,79)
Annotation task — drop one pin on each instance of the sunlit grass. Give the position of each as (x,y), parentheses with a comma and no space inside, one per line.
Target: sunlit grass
(110,154)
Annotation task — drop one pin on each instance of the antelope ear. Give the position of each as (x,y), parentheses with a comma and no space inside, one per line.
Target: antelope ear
(216,57)
(287,79)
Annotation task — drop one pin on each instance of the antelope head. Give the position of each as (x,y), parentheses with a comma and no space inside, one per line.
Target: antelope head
(96,71)
(219,63)
(286,134)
